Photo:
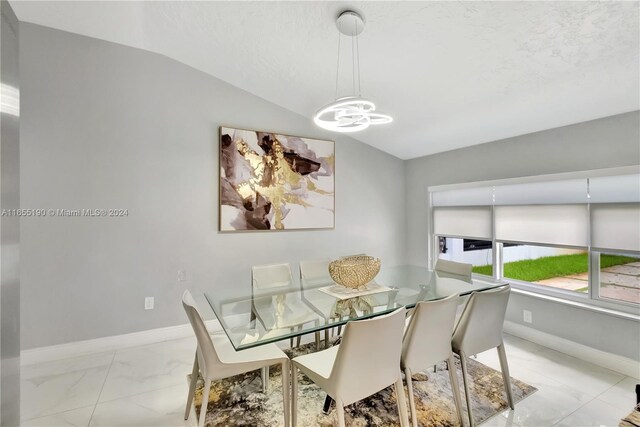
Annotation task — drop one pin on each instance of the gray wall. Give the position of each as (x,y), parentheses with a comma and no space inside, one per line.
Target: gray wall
(9,227)
(608,142)
(107,126)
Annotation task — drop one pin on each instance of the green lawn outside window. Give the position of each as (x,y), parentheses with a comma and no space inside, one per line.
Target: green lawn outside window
(533,270)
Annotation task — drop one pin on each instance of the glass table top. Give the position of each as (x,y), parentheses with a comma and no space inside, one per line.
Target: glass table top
(253,318)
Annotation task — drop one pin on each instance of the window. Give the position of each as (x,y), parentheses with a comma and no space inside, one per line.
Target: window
(476,245)
(548,266)
(619,277)
(575,235)
(478,254)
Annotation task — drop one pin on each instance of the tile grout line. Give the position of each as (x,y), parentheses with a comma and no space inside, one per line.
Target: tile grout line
(163,387)
(574,411)
(598,396)
(54,414)
(570,386)
(102,388)
(538,350)
(138,394)
(623,378)
(544,374)
(590,401)
(583,361)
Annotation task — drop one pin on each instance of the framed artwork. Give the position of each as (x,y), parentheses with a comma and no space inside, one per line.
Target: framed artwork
(271,181)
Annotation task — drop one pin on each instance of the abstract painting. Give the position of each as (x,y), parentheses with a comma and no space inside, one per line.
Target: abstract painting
(270,181)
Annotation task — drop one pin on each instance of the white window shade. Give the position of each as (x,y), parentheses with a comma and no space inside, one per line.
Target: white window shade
(542,193)
(563,225)
(615,226)
(478,196)
(613,189)
(463,221)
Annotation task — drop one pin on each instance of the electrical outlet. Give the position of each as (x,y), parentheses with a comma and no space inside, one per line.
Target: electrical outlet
(527,316)
(182,275)
(148,303)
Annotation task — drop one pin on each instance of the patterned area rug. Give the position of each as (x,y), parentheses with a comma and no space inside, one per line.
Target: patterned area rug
(633,419)
(239,401)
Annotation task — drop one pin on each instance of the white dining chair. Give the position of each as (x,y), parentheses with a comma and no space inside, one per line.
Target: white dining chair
(427,341)
(454,269)
(217,359)
(315,271)
(480,329)
(272,278)
(365,362)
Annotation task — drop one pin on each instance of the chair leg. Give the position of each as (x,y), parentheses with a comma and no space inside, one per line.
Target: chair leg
(265,379)
(192,387)
(294,395)
(317,340)
(326,338)
(340,410)
(455,388)
(402,403)
(465,380)
(286,393)
(435,368)
(504,367)
(205,402)
(412,403)
(252,320)
(291,339)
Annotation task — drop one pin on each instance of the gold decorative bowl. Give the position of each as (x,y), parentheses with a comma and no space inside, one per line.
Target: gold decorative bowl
(354,271)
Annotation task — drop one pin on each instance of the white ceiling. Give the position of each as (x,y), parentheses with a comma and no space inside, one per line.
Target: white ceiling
(452,74)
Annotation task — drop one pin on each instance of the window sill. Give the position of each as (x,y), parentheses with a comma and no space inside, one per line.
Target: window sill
(523,289)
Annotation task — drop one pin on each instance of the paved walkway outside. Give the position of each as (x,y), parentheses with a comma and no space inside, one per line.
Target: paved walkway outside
(620,282)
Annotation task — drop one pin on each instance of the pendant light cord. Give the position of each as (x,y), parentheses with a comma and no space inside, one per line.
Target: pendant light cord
(353,64)
(358,56)
(338,67)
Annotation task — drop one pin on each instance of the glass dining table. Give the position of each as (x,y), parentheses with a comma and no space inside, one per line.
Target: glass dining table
(252,318)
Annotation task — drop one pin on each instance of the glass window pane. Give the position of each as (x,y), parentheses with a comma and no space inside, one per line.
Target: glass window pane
(469,251)
(554,267)
(620,277)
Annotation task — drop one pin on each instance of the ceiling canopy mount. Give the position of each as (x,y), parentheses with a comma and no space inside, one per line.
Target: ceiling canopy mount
(350,23)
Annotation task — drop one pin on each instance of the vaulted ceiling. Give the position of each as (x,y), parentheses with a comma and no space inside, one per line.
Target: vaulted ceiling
(452,74)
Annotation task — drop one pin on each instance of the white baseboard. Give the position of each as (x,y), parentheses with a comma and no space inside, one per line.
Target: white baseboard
(607,360)
(112,343)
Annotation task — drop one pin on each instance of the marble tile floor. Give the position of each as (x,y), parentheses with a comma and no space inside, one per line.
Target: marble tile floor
(146,386)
